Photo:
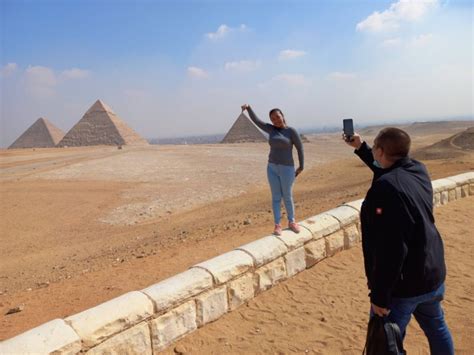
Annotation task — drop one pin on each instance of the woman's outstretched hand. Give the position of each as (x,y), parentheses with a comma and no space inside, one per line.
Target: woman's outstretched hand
(244,107)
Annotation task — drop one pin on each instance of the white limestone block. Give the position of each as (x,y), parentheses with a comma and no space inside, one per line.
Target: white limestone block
(294,240)
(458,192)
(211,305)
(351,236)
(133,341)
(344,214)
(334,242)
(178,288)
(265,249)
(357,204)
(441,185)
(295,261)
(51,337)
(437,199)
(468,178)
(96,324)
(173,325)
(315,252)
(271,274)
(241,290)
(359,229)
(460,179)
(464,178)
(444,197)
(227,266)
(452,195)
(321,225)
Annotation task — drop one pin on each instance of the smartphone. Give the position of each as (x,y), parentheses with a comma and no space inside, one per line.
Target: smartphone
(348,125)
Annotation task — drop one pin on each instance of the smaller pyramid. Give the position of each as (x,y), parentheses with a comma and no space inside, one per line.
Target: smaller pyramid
(41,134)
(101,126)
(244,130)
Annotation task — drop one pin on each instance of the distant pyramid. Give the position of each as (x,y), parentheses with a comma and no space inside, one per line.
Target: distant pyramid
(41,134)
(244,130)
(101,126)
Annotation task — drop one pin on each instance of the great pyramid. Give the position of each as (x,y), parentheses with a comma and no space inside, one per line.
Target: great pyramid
(41,134)
(101,126)
(244,130)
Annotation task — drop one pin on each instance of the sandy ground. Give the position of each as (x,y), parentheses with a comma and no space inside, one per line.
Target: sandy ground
(80,226)
(324,310)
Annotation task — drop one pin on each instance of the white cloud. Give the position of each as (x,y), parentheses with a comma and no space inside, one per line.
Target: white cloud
(40,81)
(291,79)
(220,33)
(392,42)
(337,75)
(401,11)
(224,30)
(196,72)
(8,69)
(290,54)
(41,75)
(421,40)
(75,73)
(412,10)
(242,66)
(413,42)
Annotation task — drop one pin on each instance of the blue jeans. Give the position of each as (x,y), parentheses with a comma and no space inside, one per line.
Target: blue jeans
(429,315)
(281,179)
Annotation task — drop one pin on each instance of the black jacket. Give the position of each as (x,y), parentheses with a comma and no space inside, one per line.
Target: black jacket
(403,251)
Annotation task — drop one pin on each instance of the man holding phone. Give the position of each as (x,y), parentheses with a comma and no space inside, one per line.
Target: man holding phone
(348,125)
(403,250)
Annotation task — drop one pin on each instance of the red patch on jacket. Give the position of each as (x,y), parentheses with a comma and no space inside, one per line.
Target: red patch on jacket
(378,211)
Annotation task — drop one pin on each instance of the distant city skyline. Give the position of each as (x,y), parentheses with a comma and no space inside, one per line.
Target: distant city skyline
(183,68)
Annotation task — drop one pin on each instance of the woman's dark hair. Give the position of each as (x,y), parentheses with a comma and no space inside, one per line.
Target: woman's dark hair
(394,142)
(275,110)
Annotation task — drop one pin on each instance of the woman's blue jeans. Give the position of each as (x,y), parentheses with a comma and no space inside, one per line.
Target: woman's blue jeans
(281,179)
(429,315)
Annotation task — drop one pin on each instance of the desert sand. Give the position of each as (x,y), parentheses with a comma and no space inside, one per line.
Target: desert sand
(80,226)
(324,310)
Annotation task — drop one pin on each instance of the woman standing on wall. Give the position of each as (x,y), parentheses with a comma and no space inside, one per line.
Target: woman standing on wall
(281,167)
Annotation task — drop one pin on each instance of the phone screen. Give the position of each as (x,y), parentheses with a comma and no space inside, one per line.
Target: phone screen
(348,127)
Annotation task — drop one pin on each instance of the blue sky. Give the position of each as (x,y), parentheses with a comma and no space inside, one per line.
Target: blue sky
(174,68)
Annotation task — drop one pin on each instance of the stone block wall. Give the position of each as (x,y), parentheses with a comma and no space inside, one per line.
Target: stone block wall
(149,320)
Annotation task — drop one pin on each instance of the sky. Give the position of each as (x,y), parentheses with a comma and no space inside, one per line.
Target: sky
(184,67)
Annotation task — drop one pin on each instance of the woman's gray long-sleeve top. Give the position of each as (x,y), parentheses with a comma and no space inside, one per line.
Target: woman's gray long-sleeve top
(281,142)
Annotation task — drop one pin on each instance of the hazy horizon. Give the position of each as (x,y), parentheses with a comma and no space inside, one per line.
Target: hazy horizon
(338,126)
(176,69)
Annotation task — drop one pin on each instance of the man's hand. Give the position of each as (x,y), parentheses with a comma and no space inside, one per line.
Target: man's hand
(244,107)
(298,171)
(354,142)
(379,310)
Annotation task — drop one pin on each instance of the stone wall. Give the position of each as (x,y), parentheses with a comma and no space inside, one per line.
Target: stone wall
(149,320)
